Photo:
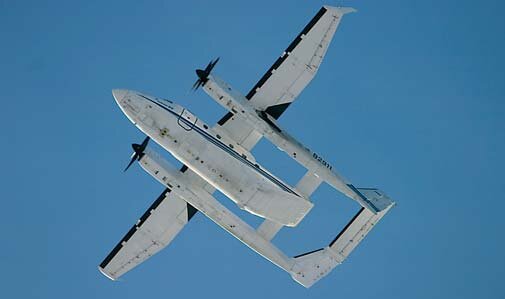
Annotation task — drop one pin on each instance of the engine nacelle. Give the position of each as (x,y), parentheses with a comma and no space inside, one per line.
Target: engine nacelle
(236,103)
(160,169)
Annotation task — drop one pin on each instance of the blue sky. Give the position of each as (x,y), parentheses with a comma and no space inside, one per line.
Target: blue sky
(410,98)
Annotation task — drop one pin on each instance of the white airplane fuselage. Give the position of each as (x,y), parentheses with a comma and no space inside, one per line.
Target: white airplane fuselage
(220,161)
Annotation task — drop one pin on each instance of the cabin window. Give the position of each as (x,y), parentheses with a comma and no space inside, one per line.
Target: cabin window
(218,136)
(206,127)
(231,145)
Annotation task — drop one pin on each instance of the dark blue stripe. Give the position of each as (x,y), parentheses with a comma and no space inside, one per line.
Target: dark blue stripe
(363,197)
(226,148)
(346,227)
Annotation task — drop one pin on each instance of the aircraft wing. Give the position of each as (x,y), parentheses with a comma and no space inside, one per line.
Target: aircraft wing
(159,225)
(289,74)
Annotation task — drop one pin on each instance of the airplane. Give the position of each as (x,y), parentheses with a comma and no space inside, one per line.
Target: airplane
(219,158)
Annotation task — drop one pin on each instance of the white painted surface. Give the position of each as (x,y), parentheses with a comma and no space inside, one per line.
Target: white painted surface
(164,223)
(220,158)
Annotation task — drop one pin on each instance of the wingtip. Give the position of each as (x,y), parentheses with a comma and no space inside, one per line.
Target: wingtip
(106,274)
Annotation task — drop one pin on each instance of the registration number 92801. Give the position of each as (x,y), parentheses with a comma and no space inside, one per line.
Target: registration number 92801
(322,161)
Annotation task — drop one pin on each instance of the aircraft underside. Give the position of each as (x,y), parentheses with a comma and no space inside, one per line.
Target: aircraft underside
(219,158)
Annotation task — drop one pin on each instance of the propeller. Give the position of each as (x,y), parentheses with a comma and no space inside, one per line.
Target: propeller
(138,152)
(203,75)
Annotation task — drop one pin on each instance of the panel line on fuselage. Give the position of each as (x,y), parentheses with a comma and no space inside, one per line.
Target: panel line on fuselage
(221,145)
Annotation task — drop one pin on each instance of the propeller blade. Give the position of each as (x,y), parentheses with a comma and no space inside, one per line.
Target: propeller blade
(208,67)
(214,63)
(204,74)
(144,143)
(138,151)
(131,162)
(196,85)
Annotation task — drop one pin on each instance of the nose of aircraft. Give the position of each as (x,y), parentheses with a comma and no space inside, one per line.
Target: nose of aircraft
(119,94)
(128,102)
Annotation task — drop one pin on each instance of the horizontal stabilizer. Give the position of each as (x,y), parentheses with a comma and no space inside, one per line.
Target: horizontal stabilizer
(346,10)
(355,231)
